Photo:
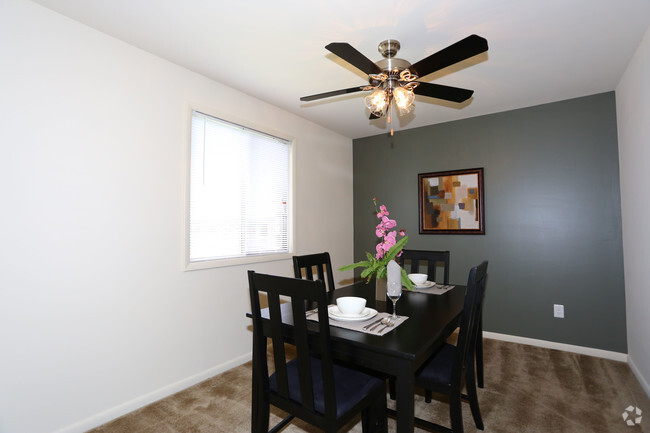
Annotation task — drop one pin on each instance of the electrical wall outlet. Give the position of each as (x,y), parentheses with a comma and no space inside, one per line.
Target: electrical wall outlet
(558,311)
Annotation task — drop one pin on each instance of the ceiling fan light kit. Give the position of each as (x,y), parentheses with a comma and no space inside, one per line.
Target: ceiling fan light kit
(393,80)
(394,84)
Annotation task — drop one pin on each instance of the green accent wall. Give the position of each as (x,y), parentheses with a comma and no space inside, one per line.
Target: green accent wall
(552,213)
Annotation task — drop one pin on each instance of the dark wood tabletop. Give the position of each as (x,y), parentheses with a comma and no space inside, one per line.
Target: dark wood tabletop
(432,318)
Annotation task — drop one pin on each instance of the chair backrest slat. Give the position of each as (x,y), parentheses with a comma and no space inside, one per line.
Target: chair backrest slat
(304,360)
(279,353)
(321,262)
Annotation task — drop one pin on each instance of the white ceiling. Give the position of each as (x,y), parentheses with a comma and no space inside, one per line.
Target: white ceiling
(540,50)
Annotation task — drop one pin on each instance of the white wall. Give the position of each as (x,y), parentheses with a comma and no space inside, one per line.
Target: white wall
(97,316)
(633,117)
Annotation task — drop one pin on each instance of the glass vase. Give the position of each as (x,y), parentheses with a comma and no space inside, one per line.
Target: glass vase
(380,288)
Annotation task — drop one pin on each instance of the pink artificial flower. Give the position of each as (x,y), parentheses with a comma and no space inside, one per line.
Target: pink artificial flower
(380,231)
(382,211)
(389,240)
(402,232)
(388,223)
(380,251)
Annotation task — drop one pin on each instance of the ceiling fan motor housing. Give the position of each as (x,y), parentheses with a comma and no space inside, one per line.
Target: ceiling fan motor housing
(389,48)
(390,65)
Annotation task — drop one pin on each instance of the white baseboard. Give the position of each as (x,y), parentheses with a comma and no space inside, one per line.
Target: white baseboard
(129,406)
(615,356)
(642,380)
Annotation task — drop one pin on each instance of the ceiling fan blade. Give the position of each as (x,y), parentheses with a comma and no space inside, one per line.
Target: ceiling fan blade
(461,50)
(454,94)
(350,54)
(333,93)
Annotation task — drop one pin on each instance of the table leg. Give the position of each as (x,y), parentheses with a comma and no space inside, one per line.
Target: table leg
(405,389)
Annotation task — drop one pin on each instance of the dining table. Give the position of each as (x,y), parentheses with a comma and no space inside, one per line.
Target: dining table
(431,318)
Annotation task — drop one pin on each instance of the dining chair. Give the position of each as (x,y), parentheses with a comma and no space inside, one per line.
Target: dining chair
(431,259)
(320,261)
(451,366)
(310,386)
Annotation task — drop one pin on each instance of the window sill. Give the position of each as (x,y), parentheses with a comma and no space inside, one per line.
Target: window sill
(208,264)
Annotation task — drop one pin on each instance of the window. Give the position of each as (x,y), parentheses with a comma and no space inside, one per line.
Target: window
(239,192)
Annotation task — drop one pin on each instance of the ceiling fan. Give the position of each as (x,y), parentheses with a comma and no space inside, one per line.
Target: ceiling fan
(394,80)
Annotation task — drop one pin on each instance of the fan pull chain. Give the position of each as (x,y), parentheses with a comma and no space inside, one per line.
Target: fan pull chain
(390,109)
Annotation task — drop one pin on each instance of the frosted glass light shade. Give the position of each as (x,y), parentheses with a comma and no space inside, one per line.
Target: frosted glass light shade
(403,99)
(377,101)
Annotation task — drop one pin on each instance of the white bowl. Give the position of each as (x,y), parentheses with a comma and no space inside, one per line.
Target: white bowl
(418,278)
(351,305)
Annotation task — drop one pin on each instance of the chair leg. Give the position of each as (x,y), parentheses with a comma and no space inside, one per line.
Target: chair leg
(260,417)
(373,418)
(367,419)
(260,402)
(455,411)
(427,395)
(391,388)
(470,384)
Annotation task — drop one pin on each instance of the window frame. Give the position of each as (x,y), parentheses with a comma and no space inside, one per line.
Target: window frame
(235,261)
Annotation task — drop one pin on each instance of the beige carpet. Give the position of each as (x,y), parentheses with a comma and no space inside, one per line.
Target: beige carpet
(528,390)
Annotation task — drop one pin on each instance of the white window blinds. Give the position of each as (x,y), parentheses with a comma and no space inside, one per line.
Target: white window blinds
(239,191)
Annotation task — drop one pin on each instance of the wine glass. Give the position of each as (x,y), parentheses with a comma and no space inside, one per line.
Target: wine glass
(394,291)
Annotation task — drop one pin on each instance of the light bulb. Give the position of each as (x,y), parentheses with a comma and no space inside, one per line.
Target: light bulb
(403,99)
(376,102)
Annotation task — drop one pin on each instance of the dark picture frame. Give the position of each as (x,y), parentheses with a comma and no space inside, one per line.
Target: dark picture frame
(452,202)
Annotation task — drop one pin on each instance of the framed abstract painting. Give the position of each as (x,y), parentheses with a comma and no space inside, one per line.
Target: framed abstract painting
(452,202)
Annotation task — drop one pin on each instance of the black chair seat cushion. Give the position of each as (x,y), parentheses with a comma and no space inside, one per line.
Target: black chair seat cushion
(438,369)
(350,386)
